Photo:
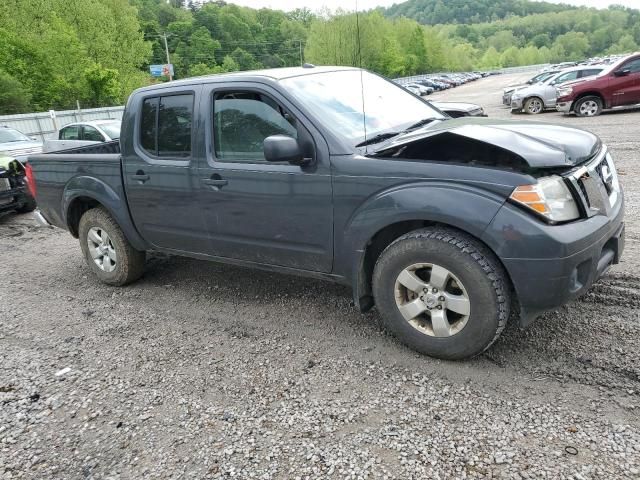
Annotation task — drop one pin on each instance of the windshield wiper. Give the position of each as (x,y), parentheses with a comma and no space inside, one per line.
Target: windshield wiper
(419,123)
(378,138)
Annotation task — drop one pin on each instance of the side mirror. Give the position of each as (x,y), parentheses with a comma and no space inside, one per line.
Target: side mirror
(622,73)
(281,148)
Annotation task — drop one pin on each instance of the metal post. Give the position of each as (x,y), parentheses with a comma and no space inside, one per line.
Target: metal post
(166,49)
(301,59)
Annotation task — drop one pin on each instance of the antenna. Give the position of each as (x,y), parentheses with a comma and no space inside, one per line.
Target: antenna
(364,115)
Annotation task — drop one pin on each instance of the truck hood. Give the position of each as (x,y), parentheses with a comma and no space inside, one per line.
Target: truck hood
(540,145)
(459,106)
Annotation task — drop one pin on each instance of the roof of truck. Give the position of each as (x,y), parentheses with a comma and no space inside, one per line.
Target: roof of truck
(270,73)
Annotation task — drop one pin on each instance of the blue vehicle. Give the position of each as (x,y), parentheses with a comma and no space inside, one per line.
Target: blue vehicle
(450,227)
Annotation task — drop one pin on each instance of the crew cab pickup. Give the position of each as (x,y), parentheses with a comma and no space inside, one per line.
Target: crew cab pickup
(615,87)
(447,225)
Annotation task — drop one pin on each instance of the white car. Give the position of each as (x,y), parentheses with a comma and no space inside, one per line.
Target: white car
(418,89)
(80,134)
(536,98)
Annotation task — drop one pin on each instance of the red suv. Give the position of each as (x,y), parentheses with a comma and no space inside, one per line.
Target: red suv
(616,86)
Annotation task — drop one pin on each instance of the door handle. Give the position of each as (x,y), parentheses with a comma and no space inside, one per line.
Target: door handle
(140,176)
(216,181)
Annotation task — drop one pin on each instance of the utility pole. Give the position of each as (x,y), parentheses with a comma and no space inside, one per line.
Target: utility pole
(166,49)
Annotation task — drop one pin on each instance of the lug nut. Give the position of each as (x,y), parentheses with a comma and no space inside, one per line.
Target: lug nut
(441,298)
(439,307)
(425,290)
(435,290)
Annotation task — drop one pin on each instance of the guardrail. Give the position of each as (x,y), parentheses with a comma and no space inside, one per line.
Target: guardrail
(45,125)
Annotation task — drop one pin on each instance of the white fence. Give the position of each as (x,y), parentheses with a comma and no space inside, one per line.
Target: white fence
(45,126)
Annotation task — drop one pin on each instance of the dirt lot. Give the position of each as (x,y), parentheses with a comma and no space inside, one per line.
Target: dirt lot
(205,371)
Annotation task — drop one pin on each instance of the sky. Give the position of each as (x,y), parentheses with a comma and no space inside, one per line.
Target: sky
(368,4)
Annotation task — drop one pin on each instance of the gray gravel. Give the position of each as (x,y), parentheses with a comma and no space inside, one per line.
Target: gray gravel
(202,370)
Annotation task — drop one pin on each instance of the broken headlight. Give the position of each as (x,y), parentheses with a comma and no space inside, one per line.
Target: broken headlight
(549,197)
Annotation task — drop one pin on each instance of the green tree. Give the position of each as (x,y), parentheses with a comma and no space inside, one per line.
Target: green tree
(14,97)
(104,85)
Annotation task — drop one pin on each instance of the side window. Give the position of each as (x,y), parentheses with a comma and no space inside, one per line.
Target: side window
(90,133)
(165,126)
(633,66)
(148,125)
(174,126)
(70,133)
(588,73)
(566,77)
(241,122)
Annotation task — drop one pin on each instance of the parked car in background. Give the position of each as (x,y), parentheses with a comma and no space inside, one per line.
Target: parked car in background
(541,96)
(459,109)
(508,91)
(420,90)
(444,224)
(80,134)
(17,145)
(14,194)
(617,86)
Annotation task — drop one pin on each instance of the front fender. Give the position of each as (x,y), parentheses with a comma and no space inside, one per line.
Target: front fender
(111,199)
(469,208)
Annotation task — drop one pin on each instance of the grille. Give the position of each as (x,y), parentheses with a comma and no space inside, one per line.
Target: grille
(597,185)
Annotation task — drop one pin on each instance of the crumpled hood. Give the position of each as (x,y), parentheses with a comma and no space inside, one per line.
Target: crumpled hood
(541,145)
(460,106)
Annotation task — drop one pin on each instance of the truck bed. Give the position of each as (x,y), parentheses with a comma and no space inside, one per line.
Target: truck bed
(62,176)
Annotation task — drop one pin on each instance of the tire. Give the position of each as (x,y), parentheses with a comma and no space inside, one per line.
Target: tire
(590,106)
(473,273)
(533,106)
(29,206)
(117,262)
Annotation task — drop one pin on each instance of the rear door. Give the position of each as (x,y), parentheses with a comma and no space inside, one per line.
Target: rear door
(160,172)
(269,213)
(626,88)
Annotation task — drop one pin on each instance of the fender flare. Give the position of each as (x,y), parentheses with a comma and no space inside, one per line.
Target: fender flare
(115,203)
(461,206)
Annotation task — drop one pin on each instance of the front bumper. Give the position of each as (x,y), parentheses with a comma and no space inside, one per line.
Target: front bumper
(549,265)
(12,199)
(564,107)
(516,103)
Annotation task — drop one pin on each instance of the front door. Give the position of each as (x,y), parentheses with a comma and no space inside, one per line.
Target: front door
(626,88)
(160,174)
(269,213)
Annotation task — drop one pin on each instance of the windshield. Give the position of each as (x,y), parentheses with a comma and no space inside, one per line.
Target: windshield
(337,98)
(10,135)
(112,129)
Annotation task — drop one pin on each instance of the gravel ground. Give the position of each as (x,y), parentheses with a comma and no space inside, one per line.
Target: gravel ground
(202,370)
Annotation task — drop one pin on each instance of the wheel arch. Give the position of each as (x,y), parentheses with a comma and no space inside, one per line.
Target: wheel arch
(590,93)
(85,193)
(362,281)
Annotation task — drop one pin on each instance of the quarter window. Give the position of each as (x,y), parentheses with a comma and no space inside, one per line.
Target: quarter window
(241,122)
(165,126)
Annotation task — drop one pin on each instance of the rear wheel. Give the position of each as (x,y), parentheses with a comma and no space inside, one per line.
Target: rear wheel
(534,106)
(107,251)
(441,293)
(588,106)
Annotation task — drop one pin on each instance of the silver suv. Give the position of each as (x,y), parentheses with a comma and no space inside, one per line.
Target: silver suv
(536,98)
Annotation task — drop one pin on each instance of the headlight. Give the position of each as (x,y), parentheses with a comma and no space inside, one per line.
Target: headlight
(564,91)
(550,197)
(516,96)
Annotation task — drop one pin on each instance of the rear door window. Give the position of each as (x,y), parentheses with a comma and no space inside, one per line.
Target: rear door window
(166,126)
(91,134)
(71,132)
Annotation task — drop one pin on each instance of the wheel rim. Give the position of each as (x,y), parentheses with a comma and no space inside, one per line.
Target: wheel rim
(432,300)
(589,108)
(535,106)
(101,249)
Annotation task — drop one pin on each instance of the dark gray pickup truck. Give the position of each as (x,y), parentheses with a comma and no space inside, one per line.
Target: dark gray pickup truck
(449,226)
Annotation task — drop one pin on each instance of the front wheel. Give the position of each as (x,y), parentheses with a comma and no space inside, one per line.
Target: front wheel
(441,293)
(107,251)
(588,106)
(534,106)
